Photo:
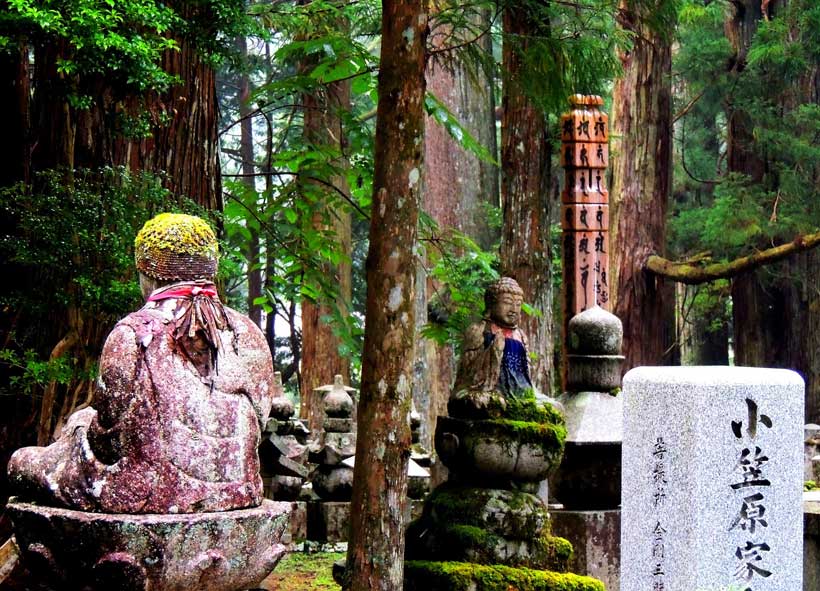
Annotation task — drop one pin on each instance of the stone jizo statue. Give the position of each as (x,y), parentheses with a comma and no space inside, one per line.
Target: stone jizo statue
(494,356)
(185,387)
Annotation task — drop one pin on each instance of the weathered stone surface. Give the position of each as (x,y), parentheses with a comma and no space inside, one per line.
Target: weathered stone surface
(512,514)
(499,449)
(333,483)
(284,488)
(220,551)
(297,529)
(712,461)
(338,425)
(159,437)
(337,402)
(328,521)
(594,372)
(282,408)
(488,526)
(590,473)
(596,539)
(595,332)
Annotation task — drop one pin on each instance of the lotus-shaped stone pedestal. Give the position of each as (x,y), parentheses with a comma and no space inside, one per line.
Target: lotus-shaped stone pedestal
(499,449)
(220,551)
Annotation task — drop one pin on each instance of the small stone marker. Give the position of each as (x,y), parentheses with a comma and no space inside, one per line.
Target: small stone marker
(712,479)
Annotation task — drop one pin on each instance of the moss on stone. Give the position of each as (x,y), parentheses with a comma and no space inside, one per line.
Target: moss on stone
(176,232)
(557,551)
(464,576)
(529,409)
(549,436)
(464,505)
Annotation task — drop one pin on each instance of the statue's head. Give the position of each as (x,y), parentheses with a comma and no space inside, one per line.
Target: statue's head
(502,302)
(175,247)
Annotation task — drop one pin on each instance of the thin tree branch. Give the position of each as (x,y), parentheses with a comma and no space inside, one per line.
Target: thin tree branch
(685,110)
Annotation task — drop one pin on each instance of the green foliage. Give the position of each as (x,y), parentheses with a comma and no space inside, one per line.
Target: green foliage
(71,249)
(28,371)
(573,49)
(809,485)
(462,271)
(442,115)
(726,212)
(122,42)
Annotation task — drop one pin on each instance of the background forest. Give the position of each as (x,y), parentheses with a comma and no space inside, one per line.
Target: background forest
(262,116)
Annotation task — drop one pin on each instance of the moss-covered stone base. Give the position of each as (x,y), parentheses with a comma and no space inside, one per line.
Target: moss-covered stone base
(463,576)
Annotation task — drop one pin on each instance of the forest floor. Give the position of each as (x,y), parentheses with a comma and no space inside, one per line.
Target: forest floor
(299,571)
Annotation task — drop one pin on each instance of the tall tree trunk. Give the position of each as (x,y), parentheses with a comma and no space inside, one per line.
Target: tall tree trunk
(321,359)
(457,188)
(14,102)
(246,151)
(776,314)
(641,124)
(376,546)
(525,197)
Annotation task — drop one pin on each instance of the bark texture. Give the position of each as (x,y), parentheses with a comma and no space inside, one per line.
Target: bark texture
(320,346)
(525,198)
(456,188)
(641,123)
(376,546)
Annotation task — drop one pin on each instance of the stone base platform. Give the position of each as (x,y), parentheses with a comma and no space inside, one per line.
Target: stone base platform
(462,576)
(596,538)
(221,551)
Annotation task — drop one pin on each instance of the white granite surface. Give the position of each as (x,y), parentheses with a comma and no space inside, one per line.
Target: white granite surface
(712,479)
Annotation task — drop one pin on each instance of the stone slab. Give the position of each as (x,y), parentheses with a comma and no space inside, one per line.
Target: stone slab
(712,461)
(221,551)
(596,539)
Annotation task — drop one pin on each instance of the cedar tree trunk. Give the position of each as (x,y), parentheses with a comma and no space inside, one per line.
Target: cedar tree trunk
(641,186)
(320,347)
(376,546)
(456,187)
(525,198)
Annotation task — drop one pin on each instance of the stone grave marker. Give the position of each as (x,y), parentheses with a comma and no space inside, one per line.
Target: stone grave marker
(712,479)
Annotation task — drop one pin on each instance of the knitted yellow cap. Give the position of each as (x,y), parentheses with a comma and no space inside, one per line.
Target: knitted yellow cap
(175,246)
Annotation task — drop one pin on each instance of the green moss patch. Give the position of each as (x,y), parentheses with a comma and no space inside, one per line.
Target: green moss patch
(528,409)
(501,511)
(548,436)
(464,576)
(300,571)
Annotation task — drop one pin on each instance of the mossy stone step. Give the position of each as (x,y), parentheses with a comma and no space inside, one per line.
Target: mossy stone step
(463,576)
